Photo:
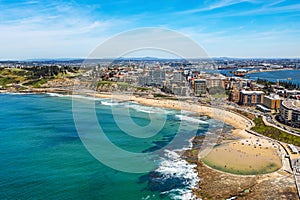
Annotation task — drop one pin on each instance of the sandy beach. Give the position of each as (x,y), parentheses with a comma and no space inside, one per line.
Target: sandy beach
(237,154)
(237,121)
(250,155)
(246,156)
(233,119)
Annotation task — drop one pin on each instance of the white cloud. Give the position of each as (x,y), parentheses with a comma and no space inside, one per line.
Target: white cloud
(216,5)
(251,43)
(51,30)
(266,9)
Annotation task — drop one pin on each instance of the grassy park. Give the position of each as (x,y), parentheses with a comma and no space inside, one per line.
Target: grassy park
(275,133)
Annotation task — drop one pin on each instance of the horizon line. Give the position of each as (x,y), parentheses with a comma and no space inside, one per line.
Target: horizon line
(140,57)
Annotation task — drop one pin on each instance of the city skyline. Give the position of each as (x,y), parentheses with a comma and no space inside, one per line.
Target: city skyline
(225,28)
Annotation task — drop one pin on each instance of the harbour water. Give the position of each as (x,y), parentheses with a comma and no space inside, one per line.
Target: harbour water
(292,76)
(42,156)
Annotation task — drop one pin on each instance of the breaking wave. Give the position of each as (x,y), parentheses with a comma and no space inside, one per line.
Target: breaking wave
(190,119)
(149,109)
(74,96)
(174,177)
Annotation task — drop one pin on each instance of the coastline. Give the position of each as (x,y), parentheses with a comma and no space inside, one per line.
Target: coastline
(239,123)
(253,186)
(269,70)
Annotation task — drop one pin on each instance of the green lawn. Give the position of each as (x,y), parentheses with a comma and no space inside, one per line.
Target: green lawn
(275,133)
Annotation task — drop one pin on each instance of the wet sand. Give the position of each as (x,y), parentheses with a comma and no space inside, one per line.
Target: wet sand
(233,119)
(251,155)
(246,157)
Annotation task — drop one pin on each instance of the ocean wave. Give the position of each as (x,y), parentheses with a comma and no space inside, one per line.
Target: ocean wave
(55,95)
(86,97)
(149,197)
(113,103)
(173,169)
(74,96)
(149,109)
(186,112)
(190,119)
(16,93)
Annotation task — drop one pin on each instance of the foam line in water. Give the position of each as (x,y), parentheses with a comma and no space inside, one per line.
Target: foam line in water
(149,109)
(55,95)
(173,166)
(16,93)
(190,119)
(74,96)
(112,103)
(87,97)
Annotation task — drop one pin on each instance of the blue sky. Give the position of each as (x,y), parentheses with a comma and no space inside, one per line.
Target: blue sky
(70,29)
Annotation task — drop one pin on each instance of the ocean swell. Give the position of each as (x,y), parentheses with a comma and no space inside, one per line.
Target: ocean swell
(174,177)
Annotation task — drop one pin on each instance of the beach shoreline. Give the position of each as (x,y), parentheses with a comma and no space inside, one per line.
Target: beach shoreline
(240,125)
(238,122)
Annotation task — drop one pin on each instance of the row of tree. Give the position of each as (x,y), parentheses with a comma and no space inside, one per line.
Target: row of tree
(50,71)
(286,84)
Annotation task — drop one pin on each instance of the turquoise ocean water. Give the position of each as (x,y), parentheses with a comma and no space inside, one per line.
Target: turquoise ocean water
(42,156)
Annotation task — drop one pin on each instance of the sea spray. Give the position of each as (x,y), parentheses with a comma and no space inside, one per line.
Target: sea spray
(150,109)
(191,119)
(174,177)
(75,96)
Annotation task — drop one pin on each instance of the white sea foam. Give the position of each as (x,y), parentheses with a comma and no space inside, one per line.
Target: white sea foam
(179,194)
(75,96)
(16,93)
(145,110)
(56,95)
(91,98)
(148,197)
(112,103)
(149,109)
(186,112)
(190,119)
(173,166)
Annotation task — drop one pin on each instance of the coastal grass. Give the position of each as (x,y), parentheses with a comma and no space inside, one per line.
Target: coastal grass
(109,84)
(102,83)
(7,80)
(8,72)
(275,133)
(13,76)
(37,82)
(143,89)
(246,114)
(162,96)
